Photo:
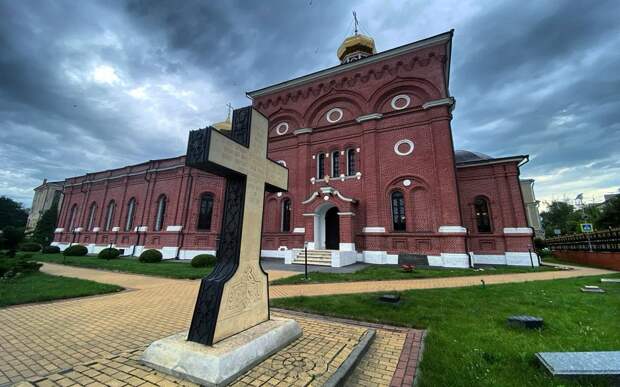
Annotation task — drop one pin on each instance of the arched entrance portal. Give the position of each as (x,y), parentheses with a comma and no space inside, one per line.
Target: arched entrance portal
(332,229)
(326,227)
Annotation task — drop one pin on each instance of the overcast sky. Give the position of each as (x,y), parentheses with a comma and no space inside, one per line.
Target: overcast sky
(92,85)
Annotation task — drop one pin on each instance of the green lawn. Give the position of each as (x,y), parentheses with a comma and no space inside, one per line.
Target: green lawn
(383,273)
(36,287)
(468,341)
(171,269)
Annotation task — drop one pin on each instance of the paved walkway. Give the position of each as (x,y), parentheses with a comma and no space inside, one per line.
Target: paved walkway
(40,339)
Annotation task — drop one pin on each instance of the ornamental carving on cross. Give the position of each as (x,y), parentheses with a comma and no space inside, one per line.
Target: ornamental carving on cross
(234,297)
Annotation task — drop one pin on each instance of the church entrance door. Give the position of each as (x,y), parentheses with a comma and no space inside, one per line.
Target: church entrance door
(332,229)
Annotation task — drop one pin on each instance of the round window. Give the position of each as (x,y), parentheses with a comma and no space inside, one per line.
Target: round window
(334,115)
(403,147)
(400,102)
(282,128)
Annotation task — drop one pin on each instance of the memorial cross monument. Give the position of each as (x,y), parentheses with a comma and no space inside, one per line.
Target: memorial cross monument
(234,297)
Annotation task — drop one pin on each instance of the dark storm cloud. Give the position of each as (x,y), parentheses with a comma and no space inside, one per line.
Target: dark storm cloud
(104,84)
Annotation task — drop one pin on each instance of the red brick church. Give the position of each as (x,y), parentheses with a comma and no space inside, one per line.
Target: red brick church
(373,174)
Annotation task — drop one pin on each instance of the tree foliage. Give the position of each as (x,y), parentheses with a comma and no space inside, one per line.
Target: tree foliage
(44,231)
(562,216)
(610,215)
(12,213)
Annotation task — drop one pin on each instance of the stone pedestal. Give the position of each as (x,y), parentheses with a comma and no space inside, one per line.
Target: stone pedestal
(223,362)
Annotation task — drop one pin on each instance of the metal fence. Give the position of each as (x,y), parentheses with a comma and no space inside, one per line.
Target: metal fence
(594,241)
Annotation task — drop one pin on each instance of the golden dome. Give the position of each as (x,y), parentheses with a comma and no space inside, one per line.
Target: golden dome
(356,47)
(224,126)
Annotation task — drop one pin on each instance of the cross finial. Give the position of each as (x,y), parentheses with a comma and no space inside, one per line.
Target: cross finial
(230,109)
(356,22)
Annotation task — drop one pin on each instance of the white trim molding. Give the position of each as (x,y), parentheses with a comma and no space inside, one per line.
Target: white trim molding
(518,230)
(346,246)
(299,230)
(141,229)
(59,229)
(452,229)
(346,199)
(373,230)
(299,131)
(309,214)
(369,117)
(311,198)
(96,229)
(176,228)
(78,229)
(346,213)
(439,102)
(116,229)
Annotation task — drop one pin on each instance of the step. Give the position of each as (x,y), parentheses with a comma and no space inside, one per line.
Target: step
(315,257)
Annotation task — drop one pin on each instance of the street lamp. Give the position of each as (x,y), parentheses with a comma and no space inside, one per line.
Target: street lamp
(306,261)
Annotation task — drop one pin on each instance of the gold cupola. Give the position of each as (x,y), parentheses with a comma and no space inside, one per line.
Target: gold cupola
(226,125)
(356,47)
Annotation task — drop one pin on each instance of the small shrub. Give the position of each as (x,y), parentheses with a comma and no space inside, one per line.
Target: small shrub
(75,251)
(150,256)
(30,246)
(50,250)
(11,267)
(203,260)
(408,268)
(109,253)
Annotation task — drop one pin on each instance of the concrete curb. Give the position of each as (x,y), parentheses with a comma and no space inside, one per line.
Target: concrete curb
(345,369)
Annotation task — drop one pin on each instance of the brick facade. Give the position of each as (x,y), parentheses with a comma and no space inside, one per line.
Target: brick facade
(391,113)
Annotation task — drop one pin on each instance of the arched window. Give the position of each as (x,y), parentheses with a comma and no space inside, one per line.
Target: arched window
(398,211)
(110,215)
(91,216)
(131,212)
(351,162)
(483,219)
(320,166)
(335,164)
(161,213)
(206,211)
(286,215)
(71,219)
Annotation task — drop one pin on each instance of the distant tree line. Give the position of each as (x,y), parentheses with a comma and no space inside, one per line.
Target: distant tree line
(13,218)
(567,218)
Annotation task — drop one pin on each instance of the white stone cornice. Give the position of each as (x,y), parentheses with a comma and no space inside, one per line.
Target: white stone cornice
(141,229)
(346,199)
(439,102)
(518,230)
(96,229)
(346,213)
(116,229)
(302,131)
(373,230)
(174,228)
(369,117)
(299,230)
(452,229)
(310,214)
(78,229)
(311,198)
(59,229)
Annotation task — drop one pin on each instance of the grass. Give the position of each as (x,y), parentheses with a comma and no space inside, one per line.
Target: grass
(384,273)
(169,269)
(37,287)
(468,341)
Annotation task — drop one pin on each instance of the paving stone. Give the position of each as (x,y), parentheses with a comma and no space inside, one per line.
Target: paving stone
(581,363)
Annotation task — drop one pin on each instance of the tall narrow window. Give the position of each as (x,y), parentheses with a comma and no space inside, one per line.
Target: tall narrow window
(335,164)
(398,211)
(351,162)
(131,212)
(206,211)
(91,216)
(110,215)
(483,219)
(320,167)
(161,213)
(286,215)
(72,216)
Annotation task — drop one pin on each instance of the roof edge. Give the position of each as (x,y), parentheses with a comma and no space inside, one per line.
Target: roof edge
(475,163)
(427,42)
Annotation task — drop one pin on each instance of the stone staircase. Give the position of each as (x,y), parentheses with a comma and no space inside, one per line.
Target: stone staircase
(315,257)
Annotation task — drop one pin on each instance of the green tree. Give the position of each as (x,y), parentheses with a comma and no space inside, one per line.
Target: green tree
(10,239)
(44,231)
(610,215)
(12,213)
(562,216)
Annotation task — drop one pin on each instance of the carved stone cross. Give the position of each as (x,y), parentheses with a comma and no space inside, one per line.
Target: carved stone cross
(234,297)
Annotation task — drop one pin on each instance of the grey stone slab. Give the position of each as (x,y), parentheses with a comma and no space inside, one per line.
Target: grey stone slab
(524,321)
(612,280)
(581,363)
(592,289)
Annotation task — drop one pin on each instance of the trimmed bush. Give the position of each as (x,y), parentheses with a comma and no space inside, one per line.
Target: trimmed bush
(51,250)
(30,246)
(150,256)
(203,260)
(75,251)
(109,253)
(11,267)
